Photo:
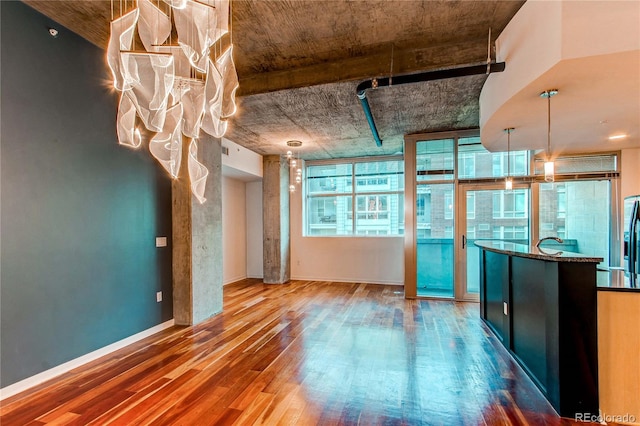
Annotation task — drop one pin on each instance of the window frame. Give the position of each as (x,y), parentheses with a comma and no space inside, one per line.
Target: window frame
(356,193)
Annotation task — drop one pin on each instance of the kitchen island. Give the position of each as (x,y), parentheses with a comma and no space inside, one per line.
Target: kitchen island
(619,344)
(542,304)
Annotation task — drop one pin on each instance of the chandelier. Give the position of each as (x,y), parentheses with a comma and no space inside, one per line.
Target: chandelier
(295,165)
(176,78)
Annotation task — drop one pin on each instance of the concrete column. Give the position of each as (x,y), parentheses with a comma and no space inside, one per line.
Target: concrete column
(197,238)
(275,217)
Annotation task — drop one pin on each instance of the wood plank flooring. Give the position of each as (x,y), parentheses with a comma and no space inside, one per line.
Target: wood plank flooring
(303,353)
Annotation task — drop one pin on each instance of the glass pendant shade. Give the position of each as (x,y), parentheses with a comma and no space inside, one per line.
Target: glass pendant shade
(230,82)
(128,135)
(191,95)
(154,27)
(181,65)
(222,20)
(508,184)
(176,4)
(150,79)
(166,146)
(196,27)
(122,32)
(549,171)
(212,123)
(197,173)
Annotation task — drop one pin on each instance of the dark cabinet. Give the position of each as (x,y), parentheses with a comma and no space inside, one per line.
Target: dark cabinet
(545,314)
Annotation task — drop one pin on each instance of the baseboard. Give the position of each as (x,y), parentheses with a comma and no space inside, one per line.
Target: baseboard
(39,378)
(233,280)
(342,280)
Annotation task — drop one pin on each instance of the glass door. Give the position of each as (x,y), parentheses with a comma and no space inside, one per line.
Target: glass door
(487,212)
(434,217)
(434,240)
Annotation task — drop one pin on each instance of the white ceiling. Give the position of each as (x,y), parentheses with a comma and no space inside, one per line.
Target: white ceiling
(590,52)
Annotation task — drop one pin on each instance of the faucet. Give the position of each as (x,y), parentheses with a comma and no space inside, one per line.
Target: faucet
(560,240)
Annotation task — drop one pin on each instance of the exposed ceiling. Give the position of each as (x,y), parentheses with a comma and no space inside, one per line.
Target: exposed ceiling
(299,62)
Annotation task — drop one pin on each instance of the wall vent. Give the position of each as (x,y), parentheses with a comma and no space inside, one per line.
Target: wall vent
(225,150)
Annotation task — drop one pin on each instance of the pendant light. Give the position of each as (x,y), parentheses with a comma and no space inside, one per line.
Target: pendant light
(548,164)
(295,165)
(180,81)
(508,182)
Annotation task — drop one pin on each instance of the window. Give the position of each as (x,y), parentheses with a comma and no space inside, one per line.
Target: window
(474,161)
(518,163)
(561,233)
(471,205)
(546,226)
(579,212)
(513,204)
(466,165)
(448,231)
(471,233)
(511,232)
(355,198)
(562,201)
(434,159)
(373,207)
(580,164)
(448,205)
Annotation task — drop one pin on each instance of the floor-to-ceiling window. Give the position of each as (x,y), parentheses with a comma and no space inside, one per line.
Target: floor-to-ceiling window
(580,210)
(457,192)
(435,194)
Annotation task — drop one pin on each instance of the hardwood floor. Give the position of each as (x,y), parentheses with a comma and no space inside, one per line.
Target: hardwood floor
(301,353)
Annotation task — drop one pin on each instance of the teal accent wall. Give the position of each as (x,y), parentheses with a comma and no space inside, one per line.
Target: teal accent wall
(79,214)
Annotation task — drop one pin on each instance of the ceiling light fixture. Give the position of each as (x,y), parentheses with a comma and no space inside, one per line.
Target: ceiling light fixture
(616,137)
(295,165)
(508,182)
(549,172)
(174,87)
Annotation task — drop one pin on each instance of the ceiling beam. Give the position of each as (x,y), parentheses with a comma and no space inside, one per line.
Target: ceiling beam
(350,69)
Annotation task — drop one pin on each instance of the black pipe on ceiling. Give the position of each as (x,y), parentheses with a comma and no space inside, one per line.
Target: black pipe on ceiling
(361,90)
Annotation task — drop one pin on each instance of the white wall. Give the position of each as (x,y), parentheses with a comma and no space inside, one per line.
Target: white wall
(234,230)
(629,181)
(241,163)
(630,172)
(254,243)
(350,259)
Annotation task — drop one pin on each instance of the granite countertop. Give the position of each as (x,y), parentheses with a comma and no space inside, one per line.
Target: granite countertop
(532,252)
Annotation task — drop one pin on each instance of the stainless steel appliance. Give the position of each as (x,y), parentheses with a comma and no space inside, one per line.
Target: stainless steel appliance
(632,234)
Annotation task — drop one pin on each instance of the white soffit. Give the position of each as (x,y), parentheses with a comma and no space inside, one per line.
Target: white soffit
(590,52)
(240,162)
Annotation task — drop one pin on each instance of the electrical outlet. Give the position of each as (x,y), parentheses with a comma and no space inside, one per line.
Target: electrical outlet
(159,296)
(505,308)
(161,241)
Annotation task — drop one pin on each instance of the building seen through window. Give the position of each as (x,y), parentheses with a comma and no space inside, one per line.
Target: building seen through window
(355,198)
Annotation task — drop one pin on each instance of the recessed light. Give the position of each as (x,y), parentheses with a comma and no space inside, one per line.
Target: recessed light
(616,137)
